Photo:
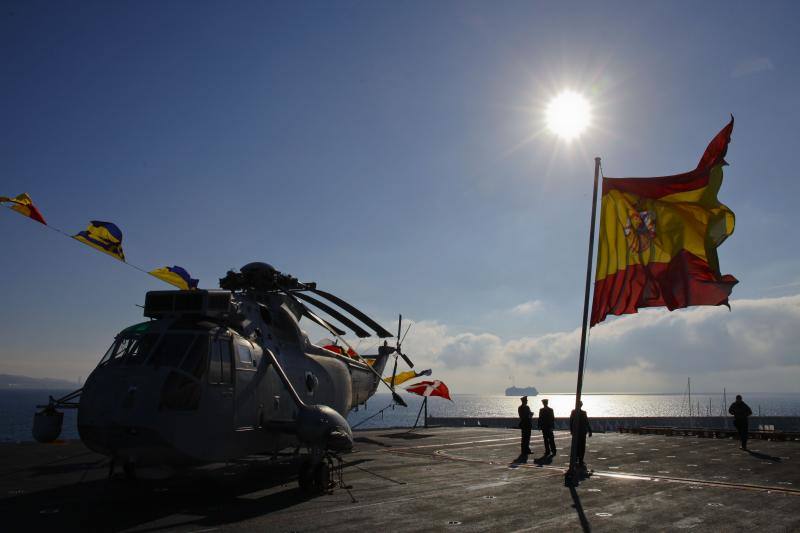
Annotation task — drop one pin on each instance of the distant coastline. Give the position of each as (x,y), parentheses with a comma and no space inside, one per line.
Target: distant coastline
(11,381)
(521,391)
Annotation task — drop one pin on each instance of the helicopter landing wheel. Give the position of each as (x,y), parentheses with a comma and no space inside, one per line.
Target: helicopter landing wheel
(314,479)
(305,477)
(322,477)
(130,471)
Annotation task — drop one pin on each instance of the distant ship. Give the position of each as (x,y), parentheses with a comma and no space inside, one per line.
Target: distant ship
(521,391)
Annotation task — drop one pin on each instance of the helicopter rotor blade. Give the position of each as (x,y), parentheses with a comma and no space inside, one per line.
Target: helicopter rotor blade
(358,330)
(324,323)
(308,313)
(399,326)
(397,399)
(394,371)
(406,359)
(382,333)
(313,301)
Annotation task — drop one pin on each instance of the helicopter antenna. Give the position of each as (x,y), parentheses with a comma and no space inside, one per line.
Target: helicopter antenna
(397,347)
(406,333)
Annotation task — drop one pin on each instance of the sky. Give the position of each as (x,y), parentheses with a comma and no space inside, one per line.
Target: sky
(396,154)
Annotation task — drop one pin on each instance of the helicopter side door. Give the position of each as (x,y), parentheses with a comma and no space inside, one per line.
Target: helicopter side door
(246,386)
(220,386)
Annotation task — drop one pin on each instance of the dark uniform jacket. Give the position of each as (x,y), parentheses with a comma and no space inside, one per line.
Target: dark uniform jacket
(573,423)
(547,419)
(524,416)
(740,410)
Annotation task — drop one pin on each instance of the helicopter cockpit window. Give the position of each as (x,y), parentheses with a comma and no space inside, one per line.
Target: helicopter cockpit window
(129,350)
(181,392)
(171,349)
(219,368)
(245,355)
(196,361)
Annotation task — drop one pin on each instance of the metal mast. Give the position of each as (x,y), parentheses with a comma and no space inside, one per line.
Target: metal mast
(572,475)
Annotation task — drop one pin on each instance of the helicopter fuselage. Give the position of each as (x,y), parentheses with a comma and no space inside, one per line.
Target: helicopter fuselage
(195,384)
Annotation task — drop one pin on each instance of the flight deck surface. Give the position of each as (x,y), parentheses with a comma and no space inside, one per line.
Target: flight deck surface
(436,479)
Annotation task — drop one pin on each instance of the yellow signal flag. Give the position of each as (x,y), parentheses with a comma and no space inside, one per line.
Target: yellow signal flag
(23,204)
(103,236)
(402,377)
(176,276)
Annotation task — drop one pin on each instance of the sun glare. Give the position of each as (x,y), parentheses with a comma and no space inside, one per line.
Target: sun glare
(568,115)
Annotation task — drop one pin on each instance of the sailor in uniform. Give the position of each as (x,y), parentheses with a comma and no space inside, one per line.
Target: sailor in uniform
(579,429)
(546,424)
(525,425)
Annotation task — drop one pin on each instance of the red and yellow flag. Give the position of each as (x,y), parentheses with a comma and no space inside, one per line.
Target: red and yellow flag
(23,205)
(658,239)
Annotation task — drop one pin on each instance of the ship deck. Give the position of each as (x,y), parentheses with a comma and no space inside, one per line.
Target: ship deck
(440,479)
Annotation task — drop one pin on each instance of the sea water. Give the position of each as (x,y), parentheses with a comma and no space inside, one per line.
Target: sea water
(18,406)
(622,405)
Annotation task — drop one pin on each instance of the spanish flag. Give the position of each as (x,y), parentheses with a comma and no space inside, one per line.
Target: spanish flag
(177,276)
(658,239)
(103,236)
(23,205)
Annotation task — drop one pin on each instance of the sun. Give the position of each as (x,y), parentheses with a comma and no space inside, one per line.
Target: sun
(568,115)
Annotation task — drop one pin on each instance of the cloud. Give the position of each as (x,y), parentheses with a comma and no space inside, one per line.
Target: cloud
(755,334)
(433,344)
(526,308)
(759,337)
(752,66)
(783,286)
(469,349)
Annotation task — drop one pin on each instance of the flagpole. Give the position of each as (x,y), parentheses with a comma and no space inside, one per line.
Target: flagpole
(572,475)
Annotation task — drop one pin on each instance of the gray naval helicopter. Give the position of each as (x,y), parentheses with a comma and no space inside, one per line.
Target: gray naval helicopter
(217,375)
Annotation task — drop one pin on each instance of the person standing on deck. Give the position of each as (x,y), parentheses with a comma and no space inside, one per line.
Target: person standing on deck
(581,437)
(525,425)
(740,412)
(546,423)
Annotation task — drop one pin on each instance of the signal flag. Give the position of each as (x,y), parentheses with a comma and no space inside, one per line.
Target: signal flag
(176,276)
(23,205)
(430,388)
(402,377)
(103,236)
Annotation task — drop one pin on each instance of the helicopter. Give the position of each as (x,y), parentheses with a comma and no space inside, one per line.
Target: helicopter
(220,374)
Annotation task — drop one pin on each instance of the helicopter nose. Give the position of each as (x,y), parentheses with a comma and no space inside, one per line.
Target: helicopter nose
(320,425)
